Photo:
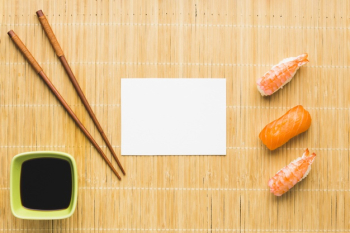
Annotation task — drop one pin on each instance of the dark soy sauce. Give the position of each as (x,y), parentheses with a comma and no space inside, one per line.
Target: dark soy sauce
(46,184)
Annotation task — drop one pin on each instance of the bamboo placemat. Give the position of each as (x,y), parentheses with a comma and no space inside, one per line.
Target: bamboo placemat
(239,40)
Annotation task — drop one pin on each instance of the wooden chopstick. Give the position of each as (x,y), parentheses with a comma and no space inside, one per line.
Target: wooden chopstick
(40,71)
(59,52)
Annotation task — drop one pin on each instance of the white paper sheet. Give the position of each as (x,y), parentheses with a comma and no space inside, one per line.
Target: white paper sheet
(173,116)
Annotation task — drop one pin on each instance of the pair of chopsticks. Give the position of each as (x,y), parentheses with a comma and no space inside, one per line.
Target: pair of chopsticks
(47,28)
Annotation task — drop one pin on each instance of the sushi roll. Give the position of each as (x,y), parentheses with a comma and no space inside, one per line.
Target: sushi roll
(287,177)
(296,121)
(280,74)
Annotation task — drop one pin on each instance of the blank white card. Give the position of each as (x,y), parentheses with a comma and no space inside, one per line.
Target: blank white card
(173,116)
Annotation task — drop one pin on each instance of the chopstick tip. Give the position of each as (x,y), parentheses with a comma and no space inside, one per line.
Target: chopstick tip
(39,13)
(11,33)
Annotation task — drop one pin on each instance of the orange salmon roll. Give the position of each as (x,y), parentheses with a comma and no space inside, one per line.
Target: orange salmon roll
(294,122)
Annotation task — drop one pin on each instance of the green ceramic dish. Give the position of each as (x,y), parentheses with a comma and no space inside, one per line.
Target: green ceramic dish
(16,204)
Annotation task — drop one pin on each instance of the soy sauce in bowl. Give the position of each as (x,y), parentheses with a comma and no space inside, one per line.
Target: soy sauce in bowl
(46,184)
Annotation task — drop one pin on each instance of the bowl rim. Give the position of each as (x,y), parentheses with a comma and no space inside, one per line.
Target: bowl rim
(47,216)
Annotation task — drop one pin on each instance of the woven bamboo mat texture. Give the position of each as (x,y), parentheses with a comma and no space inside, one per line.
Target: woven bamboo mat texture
(105,41)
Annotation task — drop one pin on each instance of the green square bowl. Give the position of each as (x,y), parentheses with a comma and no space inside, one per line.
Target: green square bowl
(18,209)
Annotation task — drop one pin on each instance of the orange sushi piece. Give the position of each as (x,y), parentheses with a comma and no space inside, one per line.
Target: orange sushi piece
(280,74)
(296,121)
(287,177)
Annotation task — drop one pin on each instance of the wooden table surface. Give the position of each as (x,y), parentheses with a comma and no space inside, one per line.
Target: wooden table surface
(105,41)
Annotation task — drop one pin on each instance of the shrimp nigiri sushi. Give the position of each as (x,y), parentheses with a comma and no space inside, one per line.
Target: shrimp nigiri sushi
(293,173)
(296,121)
(280,74)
